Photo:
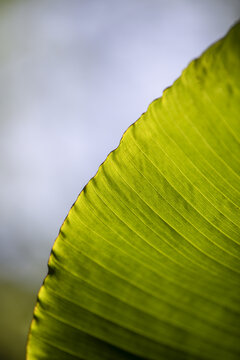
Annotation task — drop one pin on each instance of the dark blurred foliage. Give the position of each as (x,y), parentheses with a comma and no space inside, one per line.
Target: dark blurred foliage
(16,304)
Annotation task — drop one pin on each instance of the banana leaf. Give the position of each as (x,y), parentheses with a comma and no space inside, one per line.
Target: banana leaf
(147,263)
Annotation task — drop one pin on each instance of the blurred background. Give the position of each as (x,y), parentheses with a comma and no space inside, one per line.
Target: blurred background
(74,74)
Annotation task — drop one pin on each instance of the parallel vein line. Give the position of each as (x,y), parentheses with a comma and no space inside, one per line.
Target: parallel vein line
(135,331)
(143,310)
(194,245)
(188,202)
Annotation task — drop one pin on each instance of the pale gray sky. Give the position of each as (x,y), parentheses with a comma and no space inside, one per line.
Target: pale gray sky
(73,76)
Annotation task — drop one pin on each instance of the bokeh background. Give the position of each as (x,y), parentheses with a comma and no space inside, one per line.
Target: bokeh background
(74,74)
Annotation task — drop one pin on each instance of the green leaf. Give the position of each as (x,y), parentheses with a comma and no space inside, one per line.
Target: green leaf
(146,265)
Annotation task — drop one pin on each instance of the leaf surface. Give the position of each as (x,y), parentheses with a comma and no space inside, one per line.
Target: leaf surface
(146,264)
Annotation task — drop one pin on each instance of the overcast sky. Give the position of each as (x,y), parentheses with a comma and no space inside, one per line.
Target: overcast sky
(73,76)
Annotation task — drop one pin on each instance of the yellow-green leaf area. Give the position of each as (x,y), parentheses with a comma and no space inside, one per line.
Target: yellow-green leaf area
(147,263)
